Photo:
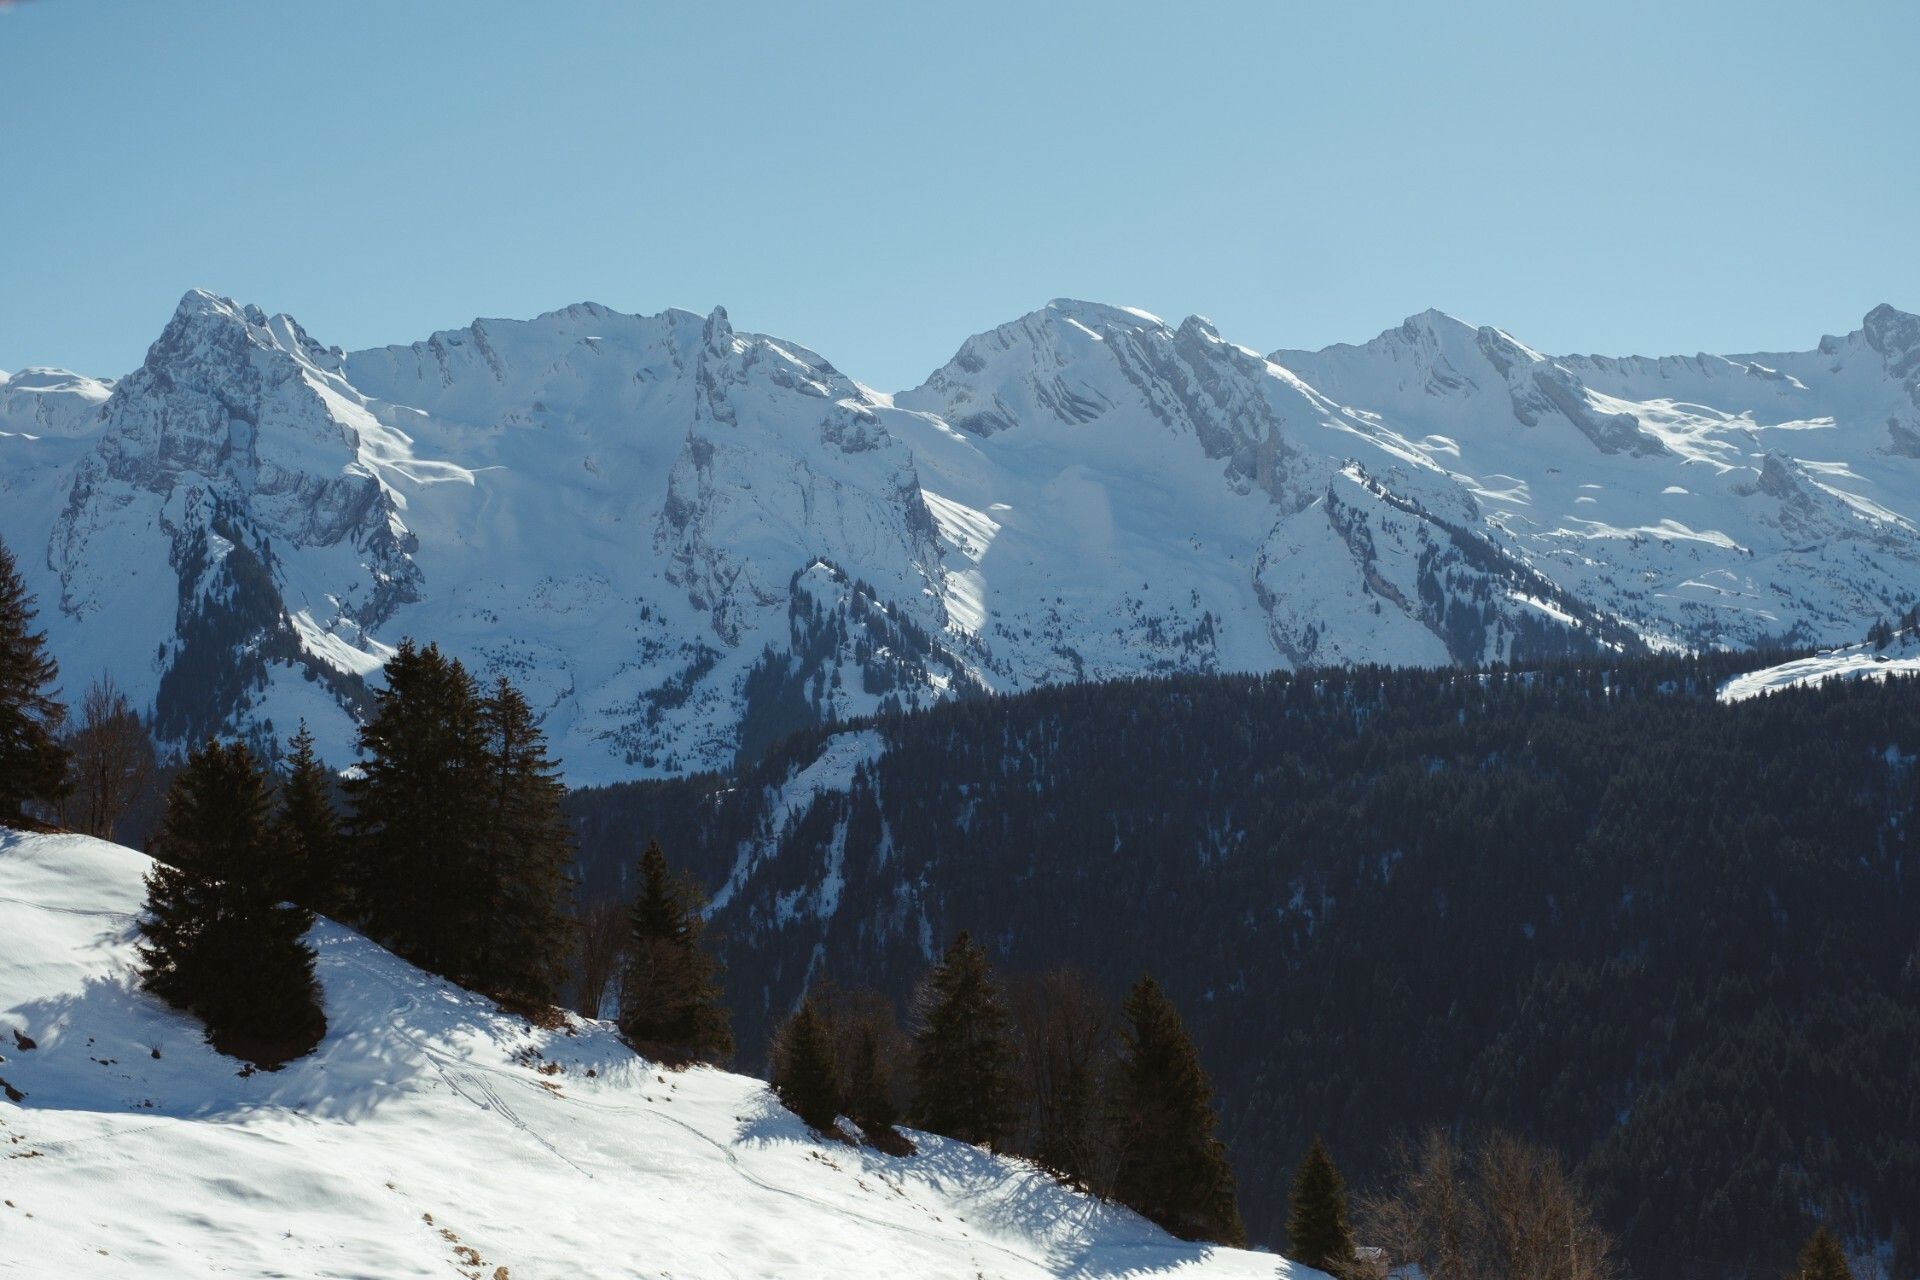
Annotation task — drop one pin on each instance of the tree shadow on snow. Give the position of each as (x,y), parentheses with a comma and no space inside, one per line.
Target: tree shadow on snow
(1008,1198)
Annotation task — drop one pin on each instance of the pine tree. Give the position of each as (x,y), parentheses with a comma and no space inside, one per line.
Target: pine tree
(33,764)
(217,939)
(1823,1258)
(1318,1225)
(526,931)
(804,1072)
(419,809)
(963,1084)
(310,830)
(1172,1168)
(670,1001)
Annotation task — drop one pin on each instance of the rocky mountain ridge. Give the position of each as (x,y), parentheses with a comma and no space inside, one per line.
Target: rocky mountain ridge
(685,539)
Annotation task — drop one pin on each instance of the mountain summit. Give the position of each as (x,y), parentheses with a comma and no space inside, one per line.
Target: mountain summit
(685,539)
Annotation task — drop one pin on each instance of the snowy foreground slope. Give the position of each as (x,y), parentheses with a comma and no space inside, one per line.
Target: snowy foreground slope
(431,1135)
(684,540)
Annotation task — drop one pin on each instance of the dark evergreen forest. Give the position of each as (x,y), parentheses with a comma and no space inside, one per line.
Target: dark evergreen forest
(1675,940)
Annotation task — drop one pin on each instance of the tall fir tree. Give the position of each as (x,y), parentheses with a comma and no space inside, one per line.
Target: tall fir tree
(216,939)
(33,763)
(524,867)
(1172,1168)
(310,829)
(1317,1222)
(670,1001)
(805,1074)
(1823,1259)
(419,811)
(963,1082)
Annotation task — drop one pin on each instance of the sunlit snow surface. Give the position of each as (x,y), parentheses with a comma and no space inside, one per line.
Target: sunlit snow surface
(433,1136)
(1859,662)
(613,510)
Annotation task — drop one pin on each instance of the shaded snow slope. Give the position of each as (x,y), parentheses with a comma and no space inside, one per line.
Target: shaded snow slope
(432,1135)
(684,539)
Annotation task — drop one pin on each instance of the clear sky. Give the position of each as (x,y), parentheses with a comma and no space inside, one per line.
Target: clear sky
(877,181)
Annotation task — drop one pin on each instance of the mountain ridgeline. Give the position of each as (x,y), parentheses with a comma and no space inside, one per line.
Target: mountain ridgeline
(1675,938)
(682,540)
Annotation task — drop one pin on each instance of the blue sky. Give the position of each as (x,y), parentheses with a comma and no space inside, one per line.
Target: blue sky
(877,181)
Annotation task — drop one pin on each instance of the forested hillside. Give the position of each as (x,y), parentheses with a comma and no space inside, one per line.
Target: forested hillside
(1676,939)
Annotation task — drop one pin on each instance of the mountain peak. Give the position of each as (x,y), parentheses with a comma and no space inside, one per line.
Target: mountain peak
(719,331)
(1101,315)
(1891,332)
(1435,322)
(195,303)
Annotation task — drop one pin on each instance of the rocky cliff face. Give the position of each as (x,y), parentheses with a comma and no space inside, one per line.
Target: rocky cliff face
(683,539)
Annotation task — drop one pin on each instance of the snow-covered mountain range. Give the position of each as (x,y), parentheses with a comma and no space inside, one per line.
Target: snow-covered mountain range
(684,540)
(431,1134)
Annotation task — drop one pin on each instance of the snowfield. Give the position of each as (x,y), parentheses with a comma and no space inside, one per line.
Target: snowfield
(1855,662)
(433,1135)
(683,540)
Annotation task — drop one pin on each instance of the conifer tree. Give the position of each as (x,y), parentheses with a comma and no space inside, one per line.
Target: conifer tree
(1318,1224)
(1823,1259)
(419,813)
(217,939)
(310,830)
(1172,1168)
(670,1001)
(527,933)
(804,1072)
(33,764)
(963,1084)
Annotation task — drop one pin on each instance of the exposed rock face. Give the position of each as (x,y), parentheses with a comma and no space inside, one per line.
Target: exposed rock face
(683,539)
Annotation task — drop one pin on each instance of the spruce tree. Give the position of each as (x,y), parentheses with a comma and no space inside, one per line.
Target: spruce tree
(1172,1168)
(1317,1223)
(33,763)
(310,830)
(804,1072)
(217,939)
(1823,1259)
(526,932)
(419,813)
(963,1084)
(670,1001)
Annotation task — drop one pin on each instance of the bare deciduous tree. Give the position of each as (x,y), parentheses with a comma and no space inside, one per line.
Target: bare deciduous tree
(1065,1034)
(1426,1217)
(870,1048)
(112,760)
(602,940)
(1511,1212)
(1541,1227)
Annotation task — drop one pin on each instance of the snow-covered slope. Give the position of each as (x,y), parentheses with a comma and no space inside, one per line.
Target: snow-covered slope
(685,539)
(1900,657)
(431,1135)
